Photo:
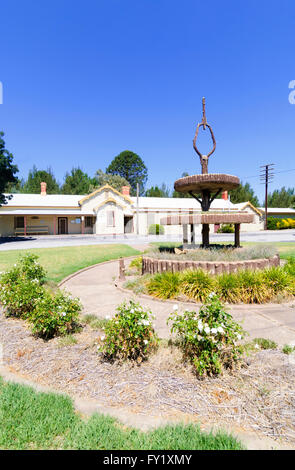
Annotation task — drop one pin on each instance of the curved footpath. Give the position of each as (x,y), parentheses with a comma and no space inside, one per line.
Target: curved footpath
(101,292)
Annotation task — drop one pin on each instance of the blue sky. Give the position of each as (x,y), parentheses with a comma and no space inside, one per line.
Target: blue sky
(83,81)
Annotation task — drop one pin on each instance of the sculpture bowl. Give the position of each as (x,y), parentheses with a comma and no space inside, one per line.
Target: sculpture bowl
(209,181)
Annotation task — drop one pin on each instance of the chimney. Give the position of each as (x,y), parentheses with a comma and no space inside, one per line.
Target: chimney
(224,195)
(126,190)
(43,189)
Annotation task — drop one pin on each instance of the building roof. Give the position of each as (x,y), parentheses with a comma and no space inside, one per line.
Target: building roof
(178,202)
(278,210)
(50,200)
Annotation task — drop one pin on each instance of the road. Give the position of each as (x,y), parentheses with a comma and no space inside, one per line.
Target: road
(44,241)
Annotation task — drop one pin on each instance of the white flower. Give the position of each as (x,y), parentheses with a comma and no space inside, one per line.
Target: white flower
(175,307)
(220,329)
(145,341)
(107,317)
(63,314)
(212,294)
(239,336)
(256,346)
(102,338)
(98,347)
(207,329)
(214,330)
(132,310)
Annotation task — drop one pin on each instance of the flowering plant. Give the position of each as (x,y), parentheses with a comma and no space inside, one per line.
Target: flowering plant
(129,334)
(55,315)
(209,340)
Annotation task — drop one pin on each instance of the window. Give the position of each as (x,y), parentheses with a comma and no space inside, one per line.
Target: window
(111,218)
(19,222)
(88,221)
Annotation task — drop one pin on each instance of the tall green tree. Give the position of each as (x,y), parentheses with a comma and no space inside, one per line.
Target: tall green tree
(33,184)
(281,197)
(7,170)
(243,193)
(156,191)
(101,179)
(76,182)
(130,166)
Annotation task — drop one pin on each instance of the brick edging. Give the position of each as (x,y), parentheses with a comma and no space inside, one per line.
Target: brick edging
(153,265)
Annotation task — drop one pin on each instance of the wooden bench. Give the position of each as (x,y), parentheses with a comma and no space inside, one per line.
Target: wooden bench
(32,230)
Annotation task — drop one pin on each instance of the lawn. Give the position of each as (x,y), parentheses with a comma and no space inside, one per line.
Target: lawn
(60,262)
(33,420)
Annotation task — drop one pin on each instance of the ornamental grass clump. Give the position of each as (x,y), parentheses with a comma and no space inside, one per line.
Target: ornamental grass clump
(196,284)
(164,286)
(129,335)
(209,340)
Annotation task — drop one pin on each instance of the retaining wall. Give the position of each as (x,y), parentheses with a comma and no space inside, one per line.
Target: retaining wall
(152,265)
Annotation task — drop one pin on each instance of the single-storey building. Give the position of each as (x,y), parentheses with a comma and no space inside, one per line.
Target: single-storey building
(105,211)
(279,212)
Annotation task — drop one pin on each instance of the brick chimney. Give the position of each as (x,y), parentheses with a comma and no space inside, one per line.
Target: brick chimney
(43,189)
(224,195)
(126,190)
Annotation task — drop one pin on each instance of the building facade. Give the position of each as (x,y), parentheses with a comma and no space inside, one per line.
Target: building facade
(106,211)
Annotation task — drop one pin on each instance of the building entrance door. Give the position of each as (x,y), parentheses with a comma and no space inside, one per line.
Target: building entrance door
(62,225)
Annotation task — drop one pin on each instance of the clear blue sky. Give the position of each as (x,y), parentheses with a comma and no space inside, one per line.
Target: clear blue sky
(83,81)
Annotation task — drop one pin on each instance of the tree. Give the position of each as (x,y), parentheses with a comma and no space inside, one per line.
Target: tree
(243,193)
(155,191)
(7,170)
(36,177)
(131,167)
(76,182)
(101,179)
(281,197)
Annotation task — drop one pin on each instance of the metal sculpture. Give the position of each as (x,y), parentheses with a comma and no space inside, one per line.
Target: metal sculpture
(204,158)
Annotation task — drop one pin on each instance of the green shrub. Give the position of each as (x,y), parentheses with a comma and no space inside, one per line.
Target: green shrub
(272,223)
(20,296)
(136,264)
(287,349)
(196,284)
(208,340)
(265,343)
(129,334)
(54,315)
(226,228)
(21,286)
(164,285)
(156,229)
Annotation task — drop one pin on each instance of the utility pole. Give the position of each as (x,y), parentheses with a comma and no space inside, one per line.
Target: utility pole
(266,177)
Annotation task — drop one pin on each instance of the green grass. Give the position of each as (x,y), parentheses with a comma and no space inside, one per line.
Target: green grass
(63,261)
(96,323)
(31,420)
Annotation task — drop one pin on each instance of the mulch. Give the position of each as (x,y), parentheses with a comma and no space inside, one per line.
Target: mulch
(258,397)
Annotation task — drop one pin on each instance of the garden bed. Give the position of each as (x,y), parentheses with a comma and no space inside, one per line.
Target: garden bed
(259,397)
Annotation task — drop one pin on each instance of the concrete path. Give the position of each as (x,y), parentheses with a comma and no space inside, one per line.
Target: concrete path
(100,293)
